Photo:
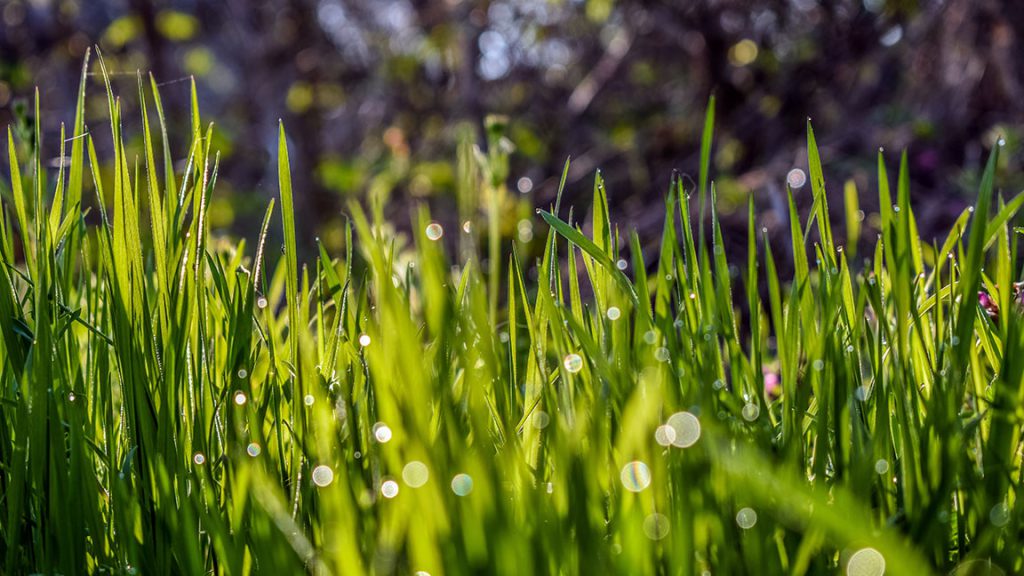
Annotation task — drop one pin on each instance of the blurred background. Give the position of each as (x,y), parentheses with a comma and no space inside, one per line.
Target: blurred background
(376,95)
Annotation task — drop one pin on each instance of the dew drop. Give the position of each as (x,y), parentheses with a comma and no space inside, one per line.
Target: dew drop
(999,515)
(796,178)
(818,365)
(382,432)
(71,396)
(462,484)
(364,340)
(662,355)
(573,363)
(635,476)
(687,427)
(524,185)
(525,230)
(199,458)
(656,526)
(881,466)
(866,562)
(613,313)
(415,474)
(746,518)
(664,435)
(308,400)
(467,226)
(434,231)
(540,419)
(323,475)
(240,398)
(253,449)
(621,264)
(389,489)
(261,302)
(243,373)
(750,411)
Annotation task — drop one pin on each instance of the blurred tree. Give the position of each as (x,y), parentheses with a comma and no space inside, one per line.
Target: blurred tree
(373,91)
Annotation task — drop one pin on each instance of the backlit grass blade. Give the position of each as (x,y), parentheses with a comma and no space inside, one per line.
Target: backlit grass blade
(705,163)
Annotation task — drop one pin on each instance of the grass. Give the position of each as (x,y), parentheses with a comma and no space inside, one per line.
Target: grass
(173,403)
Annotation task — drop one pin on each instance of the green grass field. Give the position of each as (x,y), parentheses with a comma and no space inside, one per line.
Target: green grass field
(174,403)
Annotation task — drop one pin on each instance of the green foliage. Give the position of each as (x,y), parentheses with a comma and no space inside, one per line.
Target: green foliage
(174,404)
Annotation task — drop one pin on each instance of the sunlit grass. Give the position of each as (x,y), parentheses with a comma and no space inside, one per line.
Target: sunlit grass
(176,404)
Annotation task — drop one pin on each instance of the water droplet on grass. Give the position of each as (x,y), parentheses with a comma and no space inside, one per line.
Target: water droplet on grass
(662,355)
(199,458)
(687,428)
(434,231)
(573,363)
(364,340)
(462,484)
(261,302)
(240,398)
(525,230)
(415,474)
(389,489)
(999,515)
(613,313)
(796,178)
(746,518)
(309,400)
(243,373)
(881,466)
(635,476)
(540,419)
(621,264)
(323,475)
(382,432)
(664,435)
(866,562)
(750,411)
(253,449)
(656,526)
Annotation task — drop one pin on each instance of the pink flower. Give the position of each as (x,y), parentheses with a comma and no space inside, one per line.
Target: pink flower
(989,305)
(772,383)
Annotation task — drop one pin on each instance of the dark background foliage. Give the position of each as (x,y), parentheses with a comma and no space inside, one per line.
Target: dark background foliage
(377,93)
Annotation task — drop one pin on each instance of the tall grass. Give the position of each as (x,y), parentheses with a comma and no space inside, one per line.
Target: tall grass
(174,404)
